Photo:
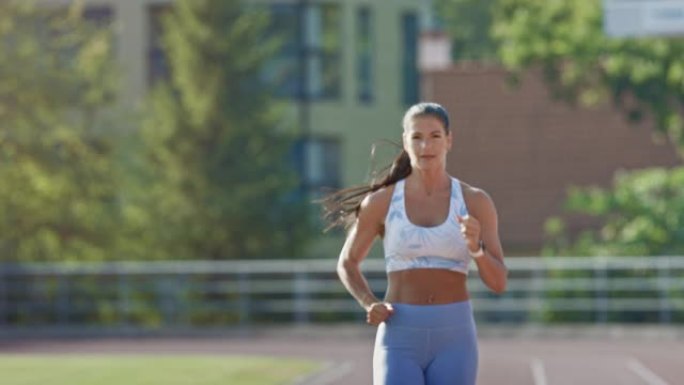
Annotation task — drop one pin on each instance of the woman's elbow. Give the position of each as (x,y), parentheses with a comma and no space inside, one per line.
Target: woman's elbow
(345,266)
(341,270)
(499,287)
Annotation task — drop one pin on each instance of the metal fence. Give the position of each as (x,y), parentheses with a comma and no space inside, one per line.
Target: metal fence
(158,295)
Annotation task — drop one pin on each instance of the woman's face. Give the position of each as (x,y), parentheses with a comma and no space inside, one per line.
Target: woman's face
(426,142)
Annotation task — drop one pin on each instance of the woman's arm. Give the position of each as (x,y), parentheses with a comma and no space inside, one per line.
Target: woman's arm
(491,267)
(359,240)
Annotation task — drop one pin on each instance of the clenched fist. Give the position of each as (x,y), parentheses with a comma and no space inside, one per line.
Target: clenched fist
(378,312)
(470,228)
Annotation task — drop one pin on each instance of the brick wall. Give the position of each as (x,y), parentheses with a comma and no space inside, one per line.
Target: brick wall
(525,149)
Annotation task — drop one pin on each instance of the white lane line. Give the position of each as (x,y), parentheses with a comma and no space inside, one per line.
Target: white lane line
(538,373)
(328,375)
(645,373)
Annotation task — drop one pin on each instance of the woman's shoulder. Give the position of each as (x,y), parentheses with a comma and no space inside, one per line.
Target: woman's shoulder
(474,196)
(378,199)
(374,208)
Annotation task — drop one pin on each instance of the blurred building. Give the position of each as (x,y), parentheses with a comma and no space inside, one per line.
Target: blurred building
(526,150)
(347,68)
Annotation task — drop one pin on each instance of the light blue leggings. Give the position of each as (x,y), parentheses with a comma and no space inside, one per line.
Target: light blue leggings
(427,345)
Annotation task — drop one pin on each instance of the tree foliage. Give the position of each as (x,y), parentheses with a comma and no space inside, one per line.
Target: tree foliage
(468,23)
(225,186)
(643,214)
(58,195)
(644,77)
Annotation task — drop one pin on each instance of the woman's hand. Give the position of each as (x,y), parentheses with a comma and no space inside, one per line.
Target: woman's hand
(378,312)
(470,228)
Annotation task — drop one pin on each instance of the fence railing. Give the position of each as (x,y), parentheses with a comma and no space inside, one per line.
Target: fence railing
(229,293)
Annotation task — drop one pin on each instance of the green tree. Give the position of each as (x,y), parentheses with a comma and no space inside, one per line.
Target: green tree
(644,77)
(58,196)
(643,215)
(225,187)
(643,212)
(468,23)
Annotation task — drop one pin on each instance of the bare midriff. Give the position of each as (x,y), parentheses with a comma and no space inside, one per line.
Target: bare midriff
(426,287)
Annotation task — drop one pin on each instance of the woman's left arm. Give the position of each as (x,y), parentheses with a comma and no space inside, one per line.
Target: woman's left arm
(483,225)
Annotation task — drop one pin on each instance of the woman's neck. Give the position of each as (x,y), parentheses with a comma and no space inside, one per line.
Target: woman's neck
(430,182)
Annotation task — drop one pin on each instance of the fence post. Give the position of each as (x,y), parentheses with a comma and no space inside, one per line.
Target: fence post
(168,299)
(538,292)
(63,301)
(244,304)
(302,305)
(124,300)
(664,286)
(601,287)
(4,318)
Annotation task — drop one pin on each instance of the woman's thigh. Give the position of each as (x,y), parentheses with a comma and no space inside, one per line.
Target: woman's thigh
(454,359)
(399,356)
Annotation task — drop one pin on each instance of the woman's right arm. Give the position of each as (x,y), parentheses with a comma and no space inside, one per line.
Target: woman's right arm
(367,226)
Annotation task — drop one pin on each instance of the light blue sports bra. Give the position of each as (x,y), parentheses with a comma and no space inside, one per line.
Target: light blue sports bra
(408,246)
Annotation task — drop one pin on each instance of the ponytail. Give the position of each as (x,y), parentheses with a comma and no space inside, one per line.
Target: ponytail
(341,208)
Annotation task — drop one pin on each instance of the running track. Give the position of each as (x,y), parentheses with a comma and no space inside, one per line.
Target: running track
(606,356)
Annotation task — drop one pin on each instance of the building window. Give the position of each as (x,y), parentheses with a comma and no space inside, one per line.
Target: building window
(319,161)
(323,46)
(281,71)
(157,62)
(364,54)
(409,58)
(308,63)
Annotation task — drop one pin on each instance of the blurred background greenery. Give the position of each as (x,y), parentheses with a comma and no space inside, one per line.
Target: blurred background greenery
(214,161)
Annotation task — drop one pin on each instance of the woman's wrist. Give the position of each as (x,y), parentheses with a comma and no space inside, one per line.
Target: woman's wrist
(480,252)
(368,300)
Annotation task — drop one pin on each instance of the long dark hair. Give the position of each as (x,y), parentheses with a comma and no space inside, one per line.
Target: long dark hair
(341,208)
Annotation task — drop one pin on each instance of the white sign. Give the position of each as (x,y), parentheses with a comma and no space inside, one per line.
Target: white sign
(635,18)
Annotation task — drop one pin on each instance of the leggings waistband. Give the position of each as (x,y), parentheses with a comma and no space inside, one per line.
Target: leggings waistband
(431,316)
